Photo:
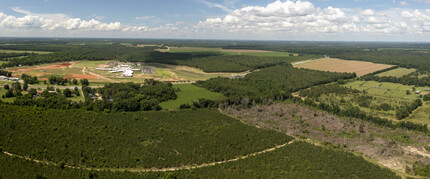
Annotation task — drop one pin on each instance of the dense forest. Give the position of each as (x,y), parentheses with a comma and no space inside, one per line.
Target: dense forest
(297,160)
(129,139)
(275,83)
(111,97)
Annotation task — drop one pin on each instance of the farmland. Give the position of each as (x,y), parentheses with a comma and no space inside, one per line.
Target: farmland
(398,72)
(337,65)
(187,94)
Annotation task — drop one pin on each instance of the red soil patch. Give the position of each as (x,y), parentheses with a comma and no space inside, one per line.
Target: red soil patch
(78,76)
(56,66)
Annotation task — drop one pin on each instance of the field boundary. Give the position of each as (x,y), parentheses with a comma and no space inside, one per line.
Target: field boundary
(139,170)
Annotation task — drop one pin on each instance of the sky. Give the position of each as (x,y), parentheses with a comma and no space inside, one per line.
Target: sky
(308,20)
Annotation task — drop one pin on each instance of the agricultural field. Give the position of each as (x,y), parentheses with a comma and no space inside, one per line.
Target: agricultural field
(398,72)
(337,65)
(187,94)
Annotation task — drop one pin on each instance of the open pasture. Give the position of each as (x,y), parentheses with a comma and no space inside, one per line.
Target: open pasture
(187,94)
(338,65)
(398,72)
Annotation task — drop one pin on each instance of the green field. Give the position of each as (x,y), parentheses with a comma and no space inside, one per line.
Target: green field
(421,115)
(393,94)
(89,64)
(1,62)
(187,94)
(2,92)
(398,72)
(23,51)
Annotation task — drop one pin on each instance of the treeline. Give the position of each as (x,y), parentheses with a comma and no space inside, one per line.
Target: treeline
(134,97)
(317,91)
(5,73)
(275,83)
(12,55)
(405,80)
(405,111)
(238,63)
(112,97)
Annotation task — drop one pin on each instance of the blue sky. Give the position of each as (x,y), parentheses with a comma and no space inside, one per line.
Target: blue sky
(373,20)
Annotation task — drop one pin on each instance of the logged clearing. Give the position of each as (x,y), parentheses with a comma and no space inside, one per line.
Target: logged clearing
(338,65)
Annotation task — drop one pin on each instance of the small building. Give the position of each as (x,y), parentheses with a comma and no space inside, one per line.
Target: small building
(417,91)
(3,77)
(426,89)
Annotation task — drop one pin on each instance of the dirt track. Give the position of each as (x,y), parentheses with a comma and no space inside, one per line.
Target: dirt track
(138,170)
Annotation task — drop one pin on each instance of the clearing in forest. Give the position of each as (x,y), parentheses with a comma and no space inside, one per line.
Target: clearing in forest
(398,72)
(187,94)
(338,65)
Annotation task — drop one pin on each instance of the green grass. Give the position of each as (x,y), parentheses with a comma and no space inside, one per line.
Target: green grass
(188,94)
(1,62)
(421,115)
(2,92)
(93,64)
(23,51)
(398,72)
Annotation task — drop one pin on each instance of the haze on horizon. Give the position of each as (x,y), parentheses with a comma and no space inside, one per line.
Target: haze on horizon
(320,20)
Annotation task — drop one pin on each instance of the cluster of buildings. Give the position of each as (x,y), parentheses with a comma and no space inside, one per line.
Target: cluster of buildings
(9,78)
(126,70)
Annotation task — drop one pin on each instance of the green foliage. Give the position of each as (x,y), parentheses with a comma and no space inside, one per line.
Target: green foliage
(274,83)
(187,93)
(29,79)
(155,139)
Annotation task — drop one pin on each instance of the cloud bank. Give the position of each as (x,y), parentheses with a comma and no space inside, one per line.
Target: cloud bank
(283,20)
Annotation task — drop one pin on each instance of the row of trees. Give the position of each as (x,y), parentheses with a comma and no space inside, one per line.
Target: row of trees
(405,111)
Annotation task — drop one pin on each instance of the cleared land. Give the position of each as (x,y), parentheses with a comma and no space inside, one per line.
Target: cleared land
(187,94)
(398,72)
(23,51)
(338,65)
(87,69)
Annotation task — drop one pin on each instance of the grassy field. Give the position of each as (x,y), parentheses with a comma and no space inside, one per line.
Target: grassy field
(393,94)
(1,62)
(421,115)
(23,51)
(398,72)
(187,94)
(337,65)
(2,92)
